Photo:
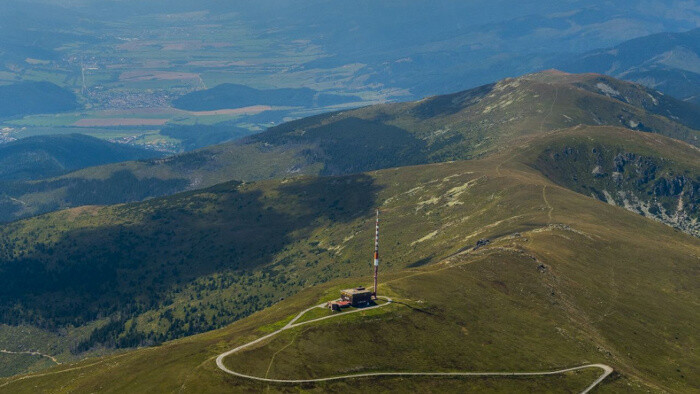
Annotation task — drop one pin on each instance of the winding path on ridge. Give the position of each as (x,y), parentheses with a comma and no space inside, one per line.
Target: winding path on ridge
(607,370)
(32,353)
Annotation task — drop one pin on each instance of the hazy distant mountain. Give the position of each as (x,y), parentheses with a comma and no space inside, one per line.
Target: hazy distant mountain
(417,48)
(669,62)
(443,46)
(26,98)
(230,95)
(52,155)
(35,30)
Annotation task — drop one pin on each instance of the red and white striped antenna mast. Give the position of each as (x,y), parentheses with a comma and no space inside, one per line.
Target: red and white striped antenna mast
(376,255)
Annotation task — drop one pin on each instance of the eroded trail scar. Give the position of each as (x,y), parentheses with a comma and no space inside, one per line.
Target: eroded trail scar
(550,209)
(32,353)
(607,370)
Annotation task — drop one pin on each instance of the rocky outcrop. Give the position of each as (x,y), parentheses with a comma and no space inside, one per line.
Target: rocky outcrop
(650,186)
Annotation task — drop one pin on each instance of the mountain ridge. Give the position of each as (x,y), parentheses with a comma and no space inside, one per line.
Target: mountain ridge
(667,62)
(27,98)
(48,156)
(579,263)
(463,125)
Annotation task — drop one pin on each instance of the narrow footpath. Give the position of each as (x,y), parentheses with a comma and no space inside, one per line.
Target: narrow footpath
(52,358)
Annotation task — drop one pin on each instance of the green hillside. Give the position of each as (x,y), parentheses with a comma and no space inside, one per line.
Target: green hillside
(464,125)
(229,95)
(26,98)
(198,135)
(52,155)
(565,279)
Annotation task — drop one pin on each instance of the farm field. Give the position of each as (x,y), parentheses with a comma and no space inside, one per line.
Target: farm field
(142,126)
(127,80)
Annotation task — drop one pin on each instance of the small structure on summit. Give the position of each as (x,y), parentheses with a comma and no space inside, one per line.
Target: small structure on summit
(337,305)
(359,296)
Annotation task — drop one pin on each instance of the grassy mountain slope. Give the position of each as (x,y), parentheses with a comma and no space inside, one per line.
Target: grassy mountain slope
(51,155)
(28,98)
(576,280)
(198,136)
(668,62)
(464,125)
